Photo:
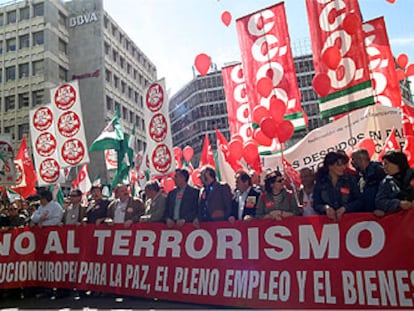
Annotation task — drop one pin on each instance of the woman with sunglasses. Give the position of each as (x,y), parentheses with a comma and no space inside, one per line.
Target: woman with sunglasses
(336,192)
(277,202)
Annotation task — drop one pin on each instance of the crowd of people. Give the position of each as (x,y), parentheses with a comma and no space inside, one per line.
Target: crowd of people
(340,185)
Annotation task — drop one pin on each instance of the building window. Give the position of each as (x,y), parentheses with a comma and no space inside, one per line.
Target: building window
(11,17)
(11,73)
(1,75)
(23,100)
(23,70)
(130,92)
(23,129)
(106,21)
(63,47)
(62,19)
(131,117)
(108,75)
(38,9)
(109,103)
(24,13)
(38,38)
(10,103)
(63,74)
(123,87)
(24,41)
(114,56)
(11,44)
(107,48)
(1,20)
(116,81)
(1,47)
(9,130)
(124,113)
(38,67)
(37,97)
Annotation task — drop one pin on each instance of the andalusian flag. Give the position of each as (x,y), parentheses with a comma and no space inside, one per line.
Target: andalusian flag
(111,137)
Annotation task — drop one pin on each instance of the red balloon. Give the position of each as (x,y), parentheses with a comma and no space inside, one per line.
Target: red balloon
(402,60)
(284,131)
(409,149)
(202,63)
(400,74)
(409,71)
(321,84)
(250,151)
(277,109)
(226,18)
(265,86)
(268,126)
(236,149)
(178,154)
(259,112)
(369,145)
(188,153)
(351,23)
(261,138)
(332,57)
(237,137)
(169,184)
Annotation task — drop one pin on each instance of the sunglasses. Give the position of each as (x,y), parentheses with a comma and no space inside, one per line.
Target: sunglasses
(280,180)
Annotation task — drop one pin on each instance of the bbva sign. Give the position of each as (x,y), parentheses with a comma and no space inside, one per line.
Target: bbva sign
(82,19)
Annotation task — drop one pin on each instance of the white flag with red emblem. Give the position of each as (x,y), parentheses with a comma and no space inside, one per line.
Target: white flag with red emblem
(391,143)
(82,181)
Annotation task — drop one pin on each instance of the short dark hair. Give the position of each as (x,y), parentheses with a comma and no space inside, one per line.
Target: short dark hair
(46,194)
(184,172)
(77,192)
(96,187)
(210,170)
(152,185)
(244,176)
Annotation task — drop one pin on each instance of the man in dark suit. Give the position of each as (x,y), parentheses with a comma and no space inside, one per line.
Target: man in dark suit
(182,202)
(215,197)
(245,199)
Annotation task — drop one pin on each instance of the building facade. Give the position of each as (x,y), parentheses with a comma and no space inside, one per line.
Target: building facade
(200,107)
(44,43)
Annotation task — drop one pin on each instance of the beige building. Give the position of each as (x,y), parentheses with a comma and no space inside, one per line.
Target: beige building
(44,43)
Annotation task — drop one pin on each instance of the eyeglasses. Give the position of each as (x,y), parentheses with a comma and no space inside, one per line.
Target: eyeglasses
(280,180)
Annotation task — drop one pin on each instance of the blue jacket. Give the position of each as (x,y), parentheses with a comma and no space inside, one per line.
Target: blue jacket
(371,179)
(393,189)
(346,193)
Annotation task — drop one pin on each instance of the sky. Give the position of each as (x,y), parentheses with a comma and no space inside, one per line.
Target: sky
(171,33)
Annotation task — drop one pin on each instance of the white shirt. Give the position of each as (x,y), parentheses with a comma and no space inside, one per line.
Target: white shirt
(242,200)
(119,215)
(308,204)
(53,212)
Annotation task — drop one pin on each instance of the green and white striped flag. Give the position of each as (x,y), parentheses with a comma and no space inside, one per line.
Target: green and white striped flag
(111,137)
(355,97)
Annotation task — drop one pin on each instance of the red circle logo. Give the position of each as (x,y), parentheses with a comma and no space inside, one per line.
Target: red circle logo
(73,151)
(69,124)
(158,127)
(49,170)
(19,172)
(161,158)
(45,144)
(111,157)
(155,97)
(65,97)
(42,118)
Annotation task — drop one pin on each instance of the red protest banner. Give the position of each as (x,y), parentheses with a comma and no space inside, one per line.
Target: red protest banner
(300,262)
